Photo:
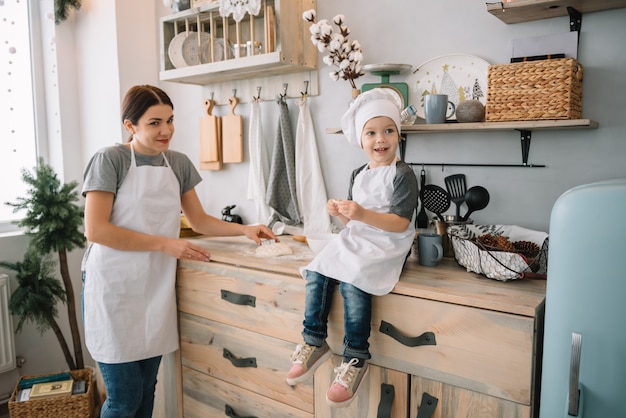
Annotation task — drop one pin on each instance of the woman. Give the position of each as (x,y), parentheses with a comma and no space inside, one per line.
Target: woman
(134,194)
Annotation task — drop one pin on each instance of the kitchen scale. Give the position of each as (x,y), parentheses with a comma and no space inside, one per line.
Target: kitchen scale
(385,71)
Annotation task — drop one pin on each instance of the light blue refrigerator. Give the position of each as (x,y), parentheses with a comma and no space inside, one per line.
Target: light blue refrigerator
(584,355)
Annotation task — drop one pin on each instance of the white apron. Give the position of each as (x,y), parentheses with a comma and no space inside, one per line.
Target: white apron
(130,298)
(367,257)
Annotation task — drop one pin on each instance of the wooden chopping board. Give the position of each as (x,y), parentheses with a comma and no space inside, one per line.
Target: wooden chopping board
(269,29)
(210,139)
(232,135)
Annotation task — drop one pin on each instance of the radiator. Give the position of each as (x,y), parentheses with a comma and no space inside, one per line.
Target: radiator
(7,345)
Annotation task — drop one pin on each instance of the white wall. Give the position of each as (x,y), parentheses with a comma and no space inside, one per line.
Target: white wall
(116,45)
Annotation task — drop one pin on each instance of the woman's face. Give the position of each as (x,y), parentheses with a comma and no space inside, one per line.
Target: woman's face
(379,139)
(154,130)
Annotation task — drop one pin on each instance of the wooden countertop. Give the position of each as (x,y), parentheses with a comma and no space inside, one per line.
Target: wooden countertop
(447,282)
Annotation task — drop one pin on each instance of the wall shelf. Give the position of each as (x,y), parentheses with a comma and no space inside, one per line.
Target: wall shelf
(279,35)
(517,11)
(524,128)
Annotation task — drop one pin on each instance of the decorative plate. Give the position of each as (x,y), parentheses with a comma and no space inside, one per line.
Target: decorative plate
(184,49)
(460,76)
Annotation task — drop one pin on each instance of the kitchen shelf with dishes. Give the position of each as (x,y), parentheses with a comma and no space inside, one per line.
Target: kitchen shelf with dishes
(198,46)
(517,11)
(524,127)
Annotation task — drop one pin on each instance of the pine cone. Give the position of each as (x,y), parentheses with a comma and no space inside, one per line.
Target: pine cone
(496,243)
(527,248)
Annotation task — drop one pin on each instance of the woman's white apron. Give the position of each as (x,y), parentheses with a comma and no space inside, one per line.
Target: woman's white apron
(367,257)
(129,296)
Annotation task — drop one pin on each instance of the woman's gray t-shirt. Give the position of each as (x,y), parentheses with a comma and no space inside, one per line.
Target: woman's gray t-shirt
(108,167)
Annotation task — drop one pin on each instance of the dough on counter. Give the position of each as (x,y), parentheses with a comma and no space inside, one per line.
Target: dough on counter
(273,250)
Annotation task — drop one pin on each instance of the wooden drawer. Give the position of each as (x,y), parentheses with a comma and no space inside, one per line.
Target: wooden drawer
(366,404)
(252,361)
(276,301)
(454,402)
(477,349)
(205,396)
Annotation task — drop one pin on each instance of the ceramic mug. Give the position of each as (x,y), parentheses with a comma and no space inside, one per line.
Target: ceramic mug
(437,108)
(429,249)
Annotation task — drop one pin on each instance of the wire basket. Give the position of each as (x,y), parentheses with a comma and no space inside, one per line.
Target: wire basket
(472,250)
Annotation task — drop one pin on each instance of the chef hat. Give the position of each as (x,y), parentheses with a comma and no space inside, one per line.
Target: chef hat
(380,101)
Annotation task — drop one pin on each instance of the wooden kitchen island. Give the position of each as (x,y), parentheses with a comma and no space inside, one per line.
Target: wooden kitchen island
(445,340)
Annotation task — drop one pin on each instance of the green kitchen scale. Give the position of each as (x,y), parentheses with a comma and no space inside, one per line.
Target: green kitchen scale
(385,71)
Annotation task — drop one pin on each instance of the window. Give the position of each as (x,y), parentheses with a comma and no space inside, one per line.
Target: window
(18,130)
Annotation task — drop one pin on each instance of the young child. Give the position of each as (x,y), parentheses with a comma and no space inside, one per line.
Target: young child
(368,255)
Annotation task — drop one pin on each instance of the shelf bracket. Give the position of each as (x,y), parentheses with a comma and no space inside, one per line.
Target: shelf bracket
(525,136)
(575,20)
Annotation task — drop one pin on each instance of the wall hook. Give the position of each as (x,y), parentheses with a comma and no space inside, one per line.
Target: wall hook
(306,88)
(234,92)
(258,94)
(285,90)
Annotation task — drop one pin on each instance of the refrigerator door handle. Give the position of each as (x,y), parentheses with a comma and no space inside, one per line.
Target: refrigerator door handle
(574,376)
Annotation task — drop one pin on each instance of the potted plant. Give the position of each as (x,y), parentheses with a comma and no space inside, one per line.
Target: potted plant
(53,221)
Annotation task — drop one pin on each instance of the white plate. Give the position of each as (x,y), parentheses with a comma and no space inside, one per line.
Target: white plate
(387,68)
(183,49)
(460,76)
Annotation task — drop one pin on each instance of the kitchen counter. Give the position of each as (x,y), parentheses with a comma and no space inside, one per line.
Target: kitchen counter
(241,315)
(447,282)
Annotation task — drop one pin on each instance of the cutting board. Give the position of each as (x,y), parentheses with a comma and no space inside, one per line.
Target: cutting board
(269,29)
(210,139)
(232,135)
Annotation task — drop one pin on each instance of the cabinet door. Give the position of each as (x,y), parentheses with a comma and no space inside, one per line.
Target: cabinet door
(368,397)
(252,361)
(477,349)
(454,402)
(207,397)
(271,304)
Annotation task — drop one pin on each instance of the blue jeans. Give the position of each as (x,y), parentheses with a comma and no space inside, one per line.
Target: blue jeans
(129,388)
(357,306)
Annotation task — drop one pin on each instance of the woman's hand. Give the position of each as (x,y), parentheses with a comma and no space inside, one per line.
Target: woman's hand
(185,250)
(258,232)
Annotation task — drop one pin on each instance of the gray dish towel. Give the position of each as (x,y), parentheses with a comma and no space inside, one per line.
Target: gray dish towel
(281,188)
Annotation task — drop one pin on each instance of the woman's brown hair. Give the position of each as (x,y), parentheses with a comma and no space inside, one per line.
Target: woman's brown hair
(139,99)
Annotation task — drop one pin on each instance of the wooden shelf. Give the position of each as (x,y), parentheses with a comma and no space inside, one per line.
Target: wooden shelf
(517,11)
(524,128)
(539,125)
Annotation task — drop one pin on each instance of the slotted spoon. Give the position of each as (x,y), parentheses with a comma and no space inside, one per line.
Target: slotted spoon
(436,199)
(457,187)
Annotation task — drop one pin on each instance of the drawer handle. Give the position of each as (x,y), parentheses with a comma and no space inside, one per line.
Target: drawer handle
(427,338)
(230,412)
(427,406)
(238,299)
(239,362)
(387,393)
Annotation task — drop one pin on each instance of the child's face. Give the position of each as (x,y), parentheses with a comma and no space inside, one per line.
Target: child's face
(380,138)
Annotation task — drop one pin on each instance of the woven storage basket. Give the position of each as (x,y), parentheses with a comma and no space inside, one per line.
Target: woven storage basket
(61,406)
(534,90)
(499,265)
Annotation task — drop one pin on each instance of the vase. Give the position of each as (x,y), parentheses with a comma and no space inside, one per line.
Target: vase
(355,93)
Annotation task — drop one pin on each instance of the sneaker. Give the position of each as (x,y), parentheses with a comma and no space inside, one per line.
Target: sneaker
(305,360)
(348,379)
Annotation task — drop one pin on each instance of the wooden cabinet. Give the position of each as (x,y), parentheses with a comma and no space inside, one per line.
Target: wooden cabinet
(274,42)
(469,343)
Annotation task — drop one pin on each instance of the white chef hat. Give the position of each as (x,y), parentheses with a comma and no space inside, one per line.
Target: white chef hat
(380,101)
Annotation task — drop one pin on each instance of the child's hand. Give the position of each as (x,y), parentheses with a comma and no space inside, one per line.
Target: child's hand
(349,209)
(331,207)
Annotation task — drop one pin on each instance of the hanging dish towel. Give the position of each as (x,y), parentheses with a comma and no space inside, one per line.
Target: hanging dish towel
(311,192)
(281,190)
(259,165)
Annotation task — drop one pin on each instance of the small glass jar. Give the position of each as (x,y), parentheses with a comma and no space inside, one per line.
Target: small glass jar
(408,115)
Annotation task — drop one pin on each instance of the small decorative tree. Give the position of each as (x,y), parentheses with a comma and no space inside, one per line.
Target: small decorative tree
(53,222)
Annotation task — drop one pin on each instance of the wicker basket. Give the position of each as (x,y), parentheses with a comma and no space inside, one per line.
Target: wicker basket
(499,265)
(534,90)
(65,406)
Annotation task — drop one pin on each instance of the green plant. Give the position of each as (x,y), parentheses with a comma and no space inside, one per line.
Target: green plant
(53,221)
(62,7)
